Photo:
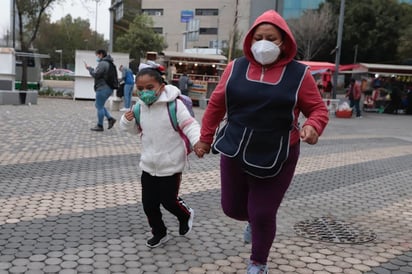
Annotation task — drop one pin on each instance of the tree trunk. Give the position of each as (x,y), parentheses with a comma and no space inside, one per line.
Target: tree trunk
(24,85)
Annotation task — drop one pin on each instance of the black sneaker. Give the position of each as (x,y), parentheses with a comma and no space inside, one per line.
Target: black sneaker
(97,128)
(186,227)
(155,241)
(111,123)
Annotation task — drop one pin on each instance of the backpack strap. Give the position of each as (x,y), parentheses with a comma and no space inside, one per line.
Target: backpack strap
(172,109)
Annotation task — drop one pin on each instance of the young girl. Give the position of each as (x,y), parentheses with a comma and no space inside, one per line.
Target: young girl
(163,152)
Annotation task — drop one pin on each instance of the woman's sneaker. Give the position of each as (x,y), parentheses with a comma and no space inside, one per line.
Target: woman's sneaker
(247,234)
(156,241)
(255,268)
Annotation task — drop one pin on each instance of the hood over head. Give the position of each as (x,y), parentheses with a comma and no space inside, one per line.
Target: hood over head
(288,47)
(108,58)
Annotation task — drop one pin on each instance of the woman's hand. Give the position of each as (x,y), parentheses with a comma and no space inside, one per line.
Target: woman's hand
(309,135)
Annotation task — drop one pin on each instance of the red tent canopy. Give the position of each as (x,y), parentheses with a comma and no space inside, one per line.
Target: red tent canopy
(314,65)
(321,67)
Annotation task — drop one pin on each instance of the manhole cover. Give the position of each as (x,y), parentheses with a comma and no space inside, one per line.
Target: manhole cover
(328,229)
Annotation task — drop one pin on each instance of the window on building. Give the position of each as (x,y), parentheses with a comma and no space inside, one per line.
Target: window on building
(207,12)
(153,12)
(294,9)
(158,30)
(208,31)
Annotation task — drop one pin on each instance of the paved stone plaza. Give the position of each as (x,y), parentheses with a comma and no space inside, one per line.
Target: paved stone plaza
(70,200)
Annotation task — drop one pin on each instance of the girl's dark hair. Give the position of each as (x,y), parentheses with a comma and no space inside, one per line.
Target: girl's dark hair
(151,72)
(101,51)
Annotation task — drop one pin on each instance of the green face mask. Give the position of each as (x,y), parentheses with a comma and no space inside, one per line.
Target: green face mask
(148,96)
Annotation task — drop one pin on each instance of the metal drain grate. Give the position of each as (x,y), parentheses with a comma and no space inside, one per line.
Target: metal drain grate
(328,229)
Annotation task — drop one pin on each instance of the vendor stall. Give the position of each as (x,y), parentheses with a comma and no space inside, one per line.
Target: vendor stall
(203,69)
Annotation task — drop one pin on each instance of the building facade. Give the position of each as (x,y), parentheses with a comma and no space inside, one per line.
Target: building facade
(202,24)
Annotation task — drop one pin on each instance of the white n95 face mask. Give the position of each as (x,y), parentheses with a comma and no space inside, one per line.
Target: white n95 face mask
(265,52)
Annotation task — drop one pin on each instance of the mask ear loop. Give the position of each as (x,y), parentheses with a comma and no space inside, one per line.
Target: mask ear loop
(161,89)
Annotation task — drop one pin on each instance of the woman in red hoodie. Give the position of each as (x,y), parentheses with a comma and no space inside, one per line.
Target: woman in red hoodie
(262,94)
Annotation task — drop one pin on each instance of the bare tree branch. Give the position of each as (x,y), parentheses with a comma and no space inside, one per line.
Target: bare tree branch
(311,29)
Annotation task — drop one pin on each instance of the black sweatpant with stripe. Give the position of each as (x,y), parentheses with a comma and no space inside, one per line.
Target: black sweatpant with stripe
(163,191)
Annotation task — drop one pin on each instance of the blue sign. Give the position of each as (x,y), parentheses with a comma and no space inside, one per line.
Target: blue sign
(186,16)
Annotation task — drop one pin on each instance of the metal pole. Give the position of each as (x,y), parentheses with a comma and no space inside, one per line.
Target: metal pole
(112,11)
(61,56)
(338,47)
(13,16)
(217,31)
(356,54)
(95,27)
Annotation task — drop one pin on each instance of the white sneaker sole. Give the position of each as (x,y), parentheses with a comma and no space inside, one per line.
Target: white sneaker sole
(162,241)
(190,222)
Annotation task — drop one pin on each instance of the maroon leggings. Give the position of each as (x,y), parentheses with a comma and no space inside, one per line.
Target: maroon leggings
(247,198)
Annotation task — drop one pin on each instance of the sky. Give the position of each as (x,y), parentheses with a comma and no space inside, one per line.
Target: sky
(86,9)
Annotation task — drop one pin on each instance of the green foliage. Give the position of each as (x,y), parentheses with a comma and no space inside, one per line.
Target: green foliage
(376,27)
(69,34)
(50,92)
(405,34)
(140,38)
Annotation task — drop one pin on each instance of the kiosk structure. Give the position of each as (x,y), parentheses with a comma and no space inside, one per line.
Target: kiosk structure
(203,69)
(8,94)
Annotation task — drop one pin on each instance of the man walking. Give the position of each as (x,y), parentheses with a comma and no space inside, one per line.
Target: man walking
(354,96)
(184,84)
(102,88)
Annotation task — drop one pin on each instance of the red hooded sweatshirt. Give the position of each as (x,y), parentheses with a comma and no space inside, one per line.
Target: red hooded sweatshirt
(309,101)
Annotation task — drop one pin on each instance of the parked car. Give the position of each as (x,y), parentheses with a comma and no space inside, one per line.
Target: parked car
(58,72)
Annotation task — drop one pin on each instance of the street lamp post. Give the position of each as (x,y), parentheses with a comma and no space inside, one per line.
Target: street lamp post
(95,25)
(61,56)
(338,48)
(217,32)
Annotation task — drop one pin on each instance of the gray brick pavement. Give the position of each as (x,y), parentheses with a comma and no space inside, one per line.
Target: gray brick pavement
(70,200)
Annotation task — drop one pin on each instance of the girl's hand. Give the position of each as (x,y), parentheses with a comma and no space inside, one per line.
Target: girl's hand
(129,115)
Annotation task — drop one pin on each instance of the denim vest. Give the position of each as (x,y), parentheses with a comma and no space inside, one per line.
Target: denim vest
(260,117)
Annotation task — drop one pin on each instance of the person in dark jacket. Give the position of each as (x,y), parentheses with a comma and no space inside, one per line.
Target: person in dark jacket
(184,84)
(102,89)
(262,95)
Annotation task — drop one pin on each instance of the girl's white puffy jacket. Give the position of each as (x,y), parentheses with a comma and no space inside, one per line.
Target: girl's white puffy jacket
(163,151)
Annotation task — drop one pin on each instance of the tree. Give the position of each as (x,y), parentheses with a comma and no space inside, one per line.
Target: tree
(67,34)
(372,28)
(405,45)
(233,51)
(405,37)
(140,38)
(311,30)
(30,15)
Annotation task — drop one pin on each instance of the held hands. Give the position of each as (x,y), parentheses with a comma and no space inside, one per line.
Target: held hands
(309,135)
(201,148)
